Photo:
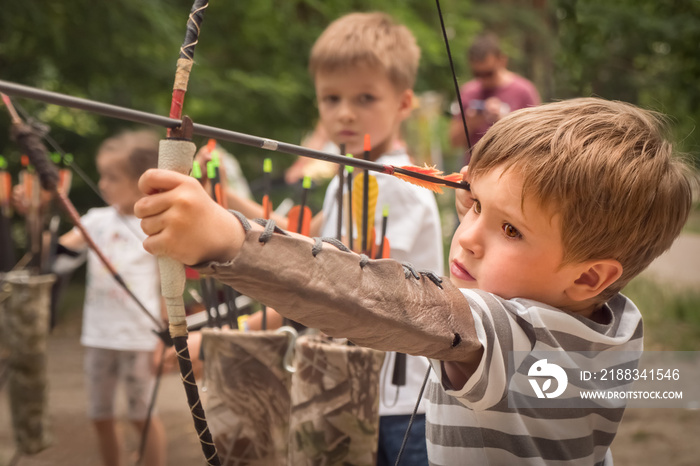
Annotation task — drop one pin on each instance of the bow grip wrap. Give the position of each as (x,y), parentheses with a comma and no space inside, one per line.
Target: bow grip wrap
(176,155)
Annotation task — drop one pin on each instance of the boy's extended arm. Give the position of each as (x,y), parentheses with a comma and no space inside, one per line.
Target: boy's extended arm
(379,304)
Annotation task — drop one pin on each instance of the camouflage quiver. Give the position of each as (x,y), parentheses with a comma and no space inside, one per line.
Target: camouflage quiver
(335,403)
(24,317)
(247,391)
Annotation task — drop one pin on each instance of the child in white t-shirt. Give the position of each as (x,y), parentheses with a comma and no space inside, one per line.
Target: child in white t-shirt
(116,333)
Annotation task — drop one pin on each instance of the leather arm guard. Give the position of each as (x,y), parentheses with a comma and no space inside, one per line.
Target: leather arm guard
(380,304)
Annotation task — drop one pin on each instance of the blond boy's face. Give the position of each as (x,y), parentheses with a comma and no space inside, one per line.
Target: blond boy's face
(118,188)
(361,100)
(509,247)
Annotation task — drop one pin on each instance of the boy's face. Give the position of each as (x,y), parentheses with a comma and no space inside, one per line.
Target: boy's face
(509,247)
(118,188)
(361,100)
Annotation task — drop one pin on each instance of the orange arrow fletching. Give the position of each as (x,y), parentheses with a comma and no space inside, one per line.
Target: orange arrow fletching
(65,178)
(386,250)
(293,220)
(211,145)
(267,207)
(430,171)
(6,187)
(455,177)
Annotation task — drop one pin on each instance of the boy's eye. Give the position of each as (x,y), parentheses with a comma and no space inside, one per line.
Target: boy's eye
(511,231)
(366,99)
(477,206)
(330,99)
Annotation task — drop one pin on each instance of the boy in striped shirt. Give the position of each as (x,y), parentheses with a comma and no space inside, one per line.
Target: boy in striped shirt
(569,201)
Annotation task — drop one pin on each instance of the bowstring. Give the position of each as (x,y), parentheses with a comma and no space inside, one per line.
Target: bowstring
(454,79)
(413,416)
(468,157)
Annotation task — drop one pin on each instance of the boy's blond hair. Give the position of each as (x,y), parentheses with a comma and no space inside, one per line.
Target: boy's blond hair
(140,148)
(368,39)
(605,168)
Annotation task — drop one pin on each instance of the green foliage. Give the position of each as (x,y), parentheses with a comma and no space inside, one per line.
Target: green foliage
(693,223)
(250,72)
(671,317)
(251,76)
(640,51)
(117,52)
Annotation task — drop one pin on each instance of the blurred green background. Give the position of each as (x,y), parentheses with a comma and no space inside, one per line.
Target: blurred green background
(250,73)
(250,76)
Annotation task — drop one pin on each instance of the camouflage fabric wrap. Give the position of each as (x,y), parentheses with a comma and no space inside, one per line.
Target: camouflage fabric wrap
(247,392)
(335,404)
(24,316)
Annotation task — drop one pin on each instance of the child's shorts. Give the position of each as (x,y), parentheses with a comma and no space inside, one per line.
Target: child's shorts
(105,369)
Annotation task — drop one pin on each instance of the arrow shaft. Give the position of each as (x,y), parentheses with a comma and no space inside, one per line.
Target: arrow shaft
(138,116)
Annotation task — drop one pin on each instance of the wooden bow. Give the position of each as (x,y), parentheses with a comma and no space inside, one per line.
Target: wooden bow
(176,153)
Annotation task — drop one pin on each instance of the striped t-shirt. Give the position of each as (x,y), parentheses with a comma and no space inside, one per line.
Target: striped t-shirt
(475,425)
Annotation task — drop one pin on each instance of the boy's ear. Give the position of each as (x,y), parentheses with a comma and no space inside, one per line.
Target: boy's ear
(594,279)
(406,104)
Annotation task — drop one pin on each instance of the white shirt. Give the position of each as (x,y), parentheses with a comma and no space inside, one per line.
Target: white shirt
(415,235)
(111,318)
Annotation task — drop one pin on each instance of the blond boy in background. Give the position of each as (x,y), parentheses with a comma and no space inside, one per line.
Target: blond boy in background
(117,336)
(364,66)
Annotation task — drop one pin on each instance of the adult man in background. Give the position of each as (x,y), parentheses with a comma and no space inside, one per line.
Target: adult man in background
(491,94)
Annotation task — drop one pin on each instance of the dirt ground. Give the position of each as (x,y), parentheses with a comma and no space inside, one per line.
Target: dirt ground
(646,436)
(74,441)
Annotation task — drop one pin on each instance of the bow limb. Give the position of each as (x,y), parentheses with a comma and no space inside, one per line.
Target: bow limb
(186,59)
(177,153)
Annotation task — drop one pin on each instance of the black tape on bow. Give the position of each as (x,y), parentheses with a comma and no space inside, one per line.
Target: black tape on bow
(31,144)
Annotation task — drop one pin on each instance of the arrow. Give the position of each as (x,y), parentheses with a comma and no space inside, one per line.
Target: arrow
(266,202)
(384,250)
(433,179)
(339,197)
(299,218)
(349,169)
